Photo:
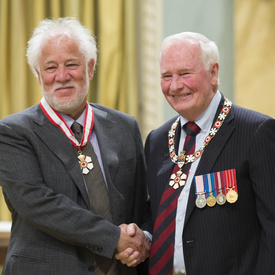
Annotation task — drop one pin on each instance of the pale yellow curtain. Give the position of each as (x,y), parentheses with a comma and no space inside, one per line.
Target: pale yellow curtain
(117,44)
(254,55)
(112,22)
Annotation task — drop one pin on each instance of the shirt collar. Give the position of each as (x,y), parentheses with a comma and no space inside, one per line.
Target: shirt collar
(205,120)
(69,120)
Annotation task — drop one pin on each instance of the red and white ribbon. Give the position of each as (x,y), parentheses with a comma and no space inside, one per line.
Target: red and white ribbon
(59,122)
(230,180)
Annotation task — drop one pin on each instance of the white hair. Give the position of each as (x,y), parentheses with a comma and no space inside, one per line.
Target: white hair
(209,49)
(49,29)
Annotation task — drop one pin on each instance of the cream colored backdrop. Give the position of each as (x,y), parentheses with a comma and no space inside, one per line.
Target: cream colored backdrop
(255,55)
(114,25)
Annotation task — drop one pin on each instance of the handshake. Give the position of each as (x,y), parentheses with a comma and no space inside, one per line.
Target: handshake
(133,245)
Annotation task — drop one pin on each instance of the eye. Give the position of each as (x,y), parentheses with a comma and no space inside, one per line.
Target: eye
(166,77)
(183,74)
(72,66)
(51,69)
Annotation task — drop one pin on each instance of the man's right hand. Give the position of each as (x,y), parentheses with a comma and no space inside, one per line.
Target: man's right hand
(133,246)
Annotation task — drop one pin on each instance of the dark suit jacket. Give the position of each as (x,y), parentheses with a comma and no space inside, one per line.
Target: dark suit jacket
(232,239)
(53,229)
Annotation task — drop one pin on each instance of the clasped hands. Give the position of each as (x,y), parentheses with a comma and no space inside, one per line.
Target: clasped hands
(133,245)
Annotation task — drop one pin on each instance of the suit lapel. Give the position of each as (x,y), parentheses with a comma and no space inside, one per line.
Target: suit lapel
(210,155)
(104,128)
(58,143)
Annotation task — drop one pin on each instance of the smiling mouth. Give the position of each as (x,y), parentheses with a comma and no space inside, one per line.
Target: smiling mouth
(181,96)
(64,88)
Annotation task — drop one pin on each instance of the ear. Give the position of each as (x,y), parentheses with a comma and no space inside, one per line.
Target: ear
(214,71)
(91,69)
(38,76)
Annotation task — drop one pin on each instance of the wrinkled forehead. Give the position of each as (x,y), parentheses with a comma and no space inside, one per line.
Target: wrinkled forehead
(179,45)
(60,50)
(60,43)
(185,52)
(59,39)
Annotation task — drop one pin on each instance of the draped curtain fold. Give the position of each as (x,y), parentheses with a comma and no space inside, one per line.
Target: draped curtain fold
(112,22)
(254,46)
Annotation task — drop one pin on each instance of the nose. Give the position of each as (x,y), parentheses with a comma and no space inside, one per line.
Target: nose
(176,83)
(62,74)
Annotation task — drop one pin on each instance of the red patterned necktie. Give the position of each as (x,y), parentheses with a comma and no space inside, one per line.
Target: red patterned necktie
(162,249)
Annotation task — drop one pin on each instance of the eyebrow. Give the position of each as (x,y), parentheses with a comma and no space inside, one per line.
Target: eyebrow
(185,69)
(68,60)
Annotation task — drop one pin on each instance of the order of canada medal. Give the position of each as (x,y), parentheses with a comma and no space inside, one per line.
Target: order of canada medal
(86,163)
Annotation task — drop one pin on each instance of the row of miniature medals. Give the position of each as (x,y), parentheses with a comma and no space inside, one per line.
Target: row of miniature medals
(217,187)
(203,190)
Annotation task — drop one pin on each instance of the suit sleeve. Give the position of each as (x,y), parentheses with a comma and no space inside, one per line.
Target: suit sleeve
(141,193)
(262,173)
(38,206)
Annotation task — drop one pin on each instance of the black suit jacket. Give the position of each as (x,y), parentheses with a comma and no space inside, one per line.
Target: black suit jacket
(234,238)
(53,229)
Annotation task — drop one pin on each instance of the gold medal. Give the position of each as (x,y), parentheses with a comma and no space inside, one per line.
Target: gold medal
(211,201)
(231,186)
(231,196)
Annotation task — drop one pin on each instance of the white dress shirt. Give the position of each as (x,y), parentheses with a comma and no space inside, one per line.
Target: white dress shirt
(204,122)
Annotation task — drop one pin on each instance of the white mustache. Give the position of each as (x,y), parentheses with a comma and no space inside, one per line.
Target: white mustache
(58,86)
